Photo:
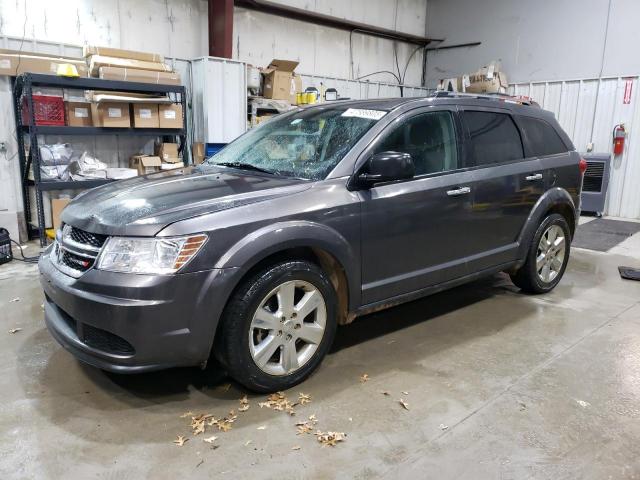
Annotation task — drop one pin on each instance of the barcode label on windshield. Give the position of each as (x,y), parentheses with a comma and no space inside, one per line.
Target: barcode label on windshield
(364,113)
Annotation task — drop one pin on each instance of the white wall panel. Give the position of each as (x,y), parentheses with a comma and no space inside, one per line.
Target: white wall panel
(588,110)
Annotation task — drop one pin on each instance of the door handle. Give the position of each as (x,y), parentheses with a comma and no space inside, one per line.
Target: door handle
(458,191)
(531,178)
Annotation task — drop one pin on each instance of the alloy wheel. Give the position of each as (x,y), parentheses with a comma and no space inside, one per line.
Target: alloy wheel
(287,327)
(551,252)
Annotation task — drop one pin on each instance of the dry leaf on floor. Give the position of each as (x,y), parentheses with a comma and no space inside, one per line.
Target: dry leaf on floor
(385,393)
(262,427)
(210,439)
(199,428)
(297,447)
(405,393)
(404,404)
(583,404)
(443,427)
(247,443)
(278,401)
(15,330)
(187,414)
(330,438)
(307,425)
(364,377)
(303,398)
(244,404)
(180,441)
(17,299)
(224,426)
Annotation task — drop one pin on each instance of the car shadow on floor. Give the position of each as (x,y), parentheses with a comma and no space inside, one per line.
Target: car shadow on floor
(215,383)
(175,385)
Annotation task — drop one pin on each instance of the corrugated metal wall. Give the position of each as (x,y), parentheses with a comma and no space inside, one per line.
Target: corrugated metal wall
(588,109)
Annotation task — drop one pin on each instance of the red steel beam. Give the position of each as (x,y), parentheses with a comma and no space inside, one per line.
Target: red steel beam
(221,28)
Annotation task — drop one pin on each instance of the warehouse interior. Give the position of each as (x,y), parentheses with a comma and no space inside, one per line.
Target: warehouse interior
(481,380)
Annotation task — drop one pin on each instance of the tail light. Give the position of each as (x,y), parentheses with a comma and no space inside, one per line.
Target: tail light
(582,166)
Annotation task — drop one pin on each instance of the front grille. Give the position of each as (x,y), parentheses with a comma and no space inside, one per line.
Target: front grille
(76,262)
(76,250)
(87,238)
(106,341)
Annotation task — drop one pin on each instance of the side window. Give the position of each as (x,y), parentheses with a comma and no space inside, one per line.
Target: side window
(494,137)
(542,138)
(429,138)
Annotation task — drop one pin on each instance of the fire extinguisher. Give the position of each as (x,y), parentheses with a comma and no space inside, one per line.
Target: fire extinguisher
(619,134)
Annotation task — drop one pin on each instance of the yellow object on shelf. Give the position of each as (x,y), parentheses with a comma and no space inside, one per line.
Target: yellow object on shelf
(67,70)
(51,233)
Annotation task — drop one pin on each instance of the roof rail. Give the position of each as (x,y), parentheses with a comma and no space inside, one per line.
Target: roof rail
(500,97)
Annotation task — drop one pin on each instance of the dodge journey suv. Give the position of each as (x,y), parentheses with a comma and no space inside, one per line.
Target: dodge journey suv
(302,224)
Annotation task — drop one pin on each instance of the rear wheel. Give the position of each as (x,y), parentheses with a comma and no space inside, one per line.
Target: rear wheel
(278,326)
(547,257)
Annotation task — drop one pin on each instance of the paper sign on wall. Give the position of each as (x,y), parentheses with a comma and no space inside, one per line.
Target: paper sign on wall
(628,87)
(81,112)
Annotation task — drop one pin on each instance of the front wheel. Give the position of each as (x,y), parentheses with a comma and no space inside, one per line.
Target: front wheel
(278,326)
(547,256)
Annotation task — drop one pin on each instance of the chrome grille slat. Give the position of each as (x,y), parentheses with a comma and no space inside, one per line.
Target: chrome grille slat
(75,251)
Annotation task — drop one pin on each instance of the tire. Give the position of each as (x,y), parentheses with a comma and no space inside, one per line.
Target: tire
(245,345)
(530,278)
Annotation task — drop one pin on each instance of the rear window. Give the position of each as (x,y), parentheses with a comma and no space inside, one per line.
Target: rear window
(494,137)
(542,137)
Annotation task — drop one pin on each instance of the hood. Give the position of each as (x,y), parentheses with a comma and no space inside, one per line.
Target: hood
(142,206)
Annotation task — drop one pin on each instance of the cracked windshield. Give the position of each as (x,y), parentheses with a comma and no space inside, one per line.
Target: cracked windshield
(306,144)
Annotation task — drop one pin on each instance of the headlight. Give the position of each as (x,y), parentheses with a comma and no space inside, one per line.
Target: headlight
(149,255)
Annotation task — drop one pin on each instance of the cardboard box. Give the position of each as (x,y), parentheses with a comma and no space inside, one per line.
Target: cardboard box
(89,50)
(171,115)
(145,164)
(145,115)
(13,63)
(497,84)
(168,152)
(198,152)
(135,75)
(110,114)
(57,205)
(78,114)
(97,61)
(280,83)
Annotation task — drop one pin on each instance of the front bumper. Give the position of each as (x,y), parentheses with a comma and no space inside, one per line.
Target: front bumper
(130,323)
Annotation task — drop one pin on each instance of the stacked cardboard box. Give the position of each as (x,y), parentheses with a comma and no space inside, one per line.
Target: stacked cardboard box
(13,63)
(168,154)
(129,65)
(280,81)
(488,79)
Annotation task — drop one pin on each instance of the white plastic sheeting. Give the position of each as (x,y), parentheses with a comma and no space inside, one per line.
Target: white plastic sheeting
(588,110)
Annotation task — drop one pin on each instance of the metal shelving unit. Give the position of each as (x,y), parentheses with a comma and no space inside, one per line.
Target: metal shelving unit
(23,87)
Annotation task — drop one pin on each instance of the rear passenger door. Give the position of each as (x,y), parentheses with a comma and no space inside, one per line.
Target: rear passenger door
(508,182)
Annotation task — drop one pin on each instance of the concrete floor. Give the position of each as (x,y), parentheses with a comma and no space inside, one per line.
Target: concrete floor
(500,385)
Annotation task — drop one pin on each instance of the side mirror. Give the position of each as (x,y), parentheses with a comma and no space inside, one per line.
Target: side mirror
(387,167)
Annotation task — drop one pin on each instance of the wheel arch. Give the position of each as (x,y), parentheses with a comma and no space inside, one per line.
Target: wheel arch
(555,200)
(299,240)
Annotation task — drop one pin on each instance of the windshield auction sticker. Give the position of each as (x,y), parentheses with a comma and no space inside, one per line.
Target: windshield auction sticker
(364,113)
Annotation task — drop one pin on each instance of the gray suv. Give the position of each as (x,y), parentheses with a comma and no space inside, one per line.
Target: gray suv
(316,217)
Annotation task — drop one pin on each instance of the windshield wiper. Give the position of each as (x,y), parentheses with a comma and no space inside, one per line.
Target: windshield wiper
(244,166)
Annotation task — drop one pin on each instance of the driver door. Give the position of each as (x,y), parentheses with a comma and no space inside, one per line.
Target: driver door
(414,232)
